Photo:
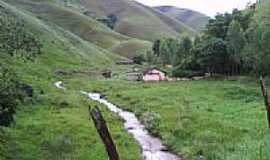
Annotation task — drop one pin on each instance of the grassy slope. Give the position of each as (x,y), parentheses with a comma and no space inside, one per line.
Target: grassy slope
(193,19)
(136,20)
(83,26)
(132,47)
(224,119)
(56,125)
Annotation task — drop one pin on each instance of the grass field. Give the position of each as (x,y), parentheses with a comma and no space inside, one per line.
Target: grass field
(55,124)
(224,119)
(132,47)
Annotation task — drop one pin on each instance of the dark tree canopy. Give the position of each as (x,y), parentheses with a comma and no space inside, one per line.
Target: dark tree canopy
(232,44)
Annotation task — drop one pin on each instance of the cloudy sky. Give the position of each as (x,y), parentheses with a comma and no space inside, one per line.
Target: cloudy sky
(208,7)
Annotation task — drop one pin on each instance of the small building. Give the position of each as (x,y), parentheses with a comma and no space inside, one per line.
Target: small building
(154,74)
(134,76)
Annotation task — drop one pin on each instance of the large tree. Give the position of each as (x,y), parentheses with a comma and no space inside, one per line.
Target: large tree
(258,40)
(183,55)
(235,43)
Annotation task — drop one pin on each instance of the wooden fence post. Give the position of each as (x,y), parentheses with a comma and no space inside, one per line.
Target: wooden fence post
(266,99)
(104,133)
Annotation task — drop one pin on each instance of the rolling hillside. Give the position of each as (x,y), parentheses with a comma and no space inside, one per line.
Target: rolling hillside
(136,20)
(72,20)
(43,130)
(193,19)
(61,47)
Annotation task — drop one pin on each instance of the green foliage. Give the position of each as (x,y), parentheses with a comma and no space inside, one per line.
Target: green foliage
(156,47)
(173,51)
(258,40)
(9,95)
(236,42)
(139,59)
(232,44)
(213,55)
(183,54)
(151,121)
(15,39)
(178,71)
(218,26)
(109,21)
(235,37)
(168,50)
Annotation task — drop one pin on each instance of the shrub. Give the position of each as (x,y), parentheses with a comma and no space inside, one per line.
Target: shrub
(139,59)
(15,39)
(151,121)
(10,95)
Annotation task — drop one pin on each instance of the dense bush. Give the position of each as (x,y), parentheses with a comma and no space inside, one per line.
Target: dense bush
(151,121)
(9,95)
(15,39)
(109,21)
(139,59)
(178,72)
(12,91)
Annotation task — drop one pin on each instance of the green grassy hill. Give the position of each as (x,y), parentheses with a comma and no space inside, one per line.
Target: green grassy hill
(72,20)
(136,20)
(193,19)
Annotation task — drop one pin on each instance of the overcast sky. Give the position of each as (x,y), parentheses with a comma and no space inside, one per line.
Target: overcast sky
(208,7)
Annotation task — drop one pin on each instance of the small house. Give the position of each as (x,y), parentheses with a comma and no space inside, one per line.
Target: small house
(154,74)
(134,76)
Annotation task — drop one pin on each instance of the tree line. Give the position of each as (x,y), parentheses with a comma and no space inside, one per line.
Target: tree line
(232,44)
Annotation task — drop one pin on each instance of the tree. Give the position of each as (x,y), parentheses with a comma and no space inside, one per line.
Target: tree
(109,20)
(168,50)
(258,39)
(9,95)
(197,40)
(156,48)
(212,55)
(218,26)
(183,55)
(235,43)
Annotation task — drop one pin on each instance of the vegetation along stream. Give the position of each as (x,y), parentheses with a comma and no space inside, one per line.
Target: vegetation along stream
(152,147)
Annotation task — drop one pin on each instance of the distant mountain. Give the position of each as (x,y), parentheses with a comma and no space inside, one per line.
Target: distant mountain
(136,20)
(193,19)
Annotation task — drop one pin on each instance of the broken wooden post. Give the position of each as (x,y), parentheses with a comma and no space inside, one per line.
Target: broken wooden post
(104,133)
(266,99)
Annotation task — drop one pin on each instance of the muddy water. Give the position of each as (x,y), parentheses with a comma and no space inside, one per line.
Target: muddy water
(152,147)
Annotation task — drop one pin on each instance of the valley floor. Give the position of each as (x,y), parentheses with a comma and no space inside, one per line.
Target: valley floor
(225,120)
